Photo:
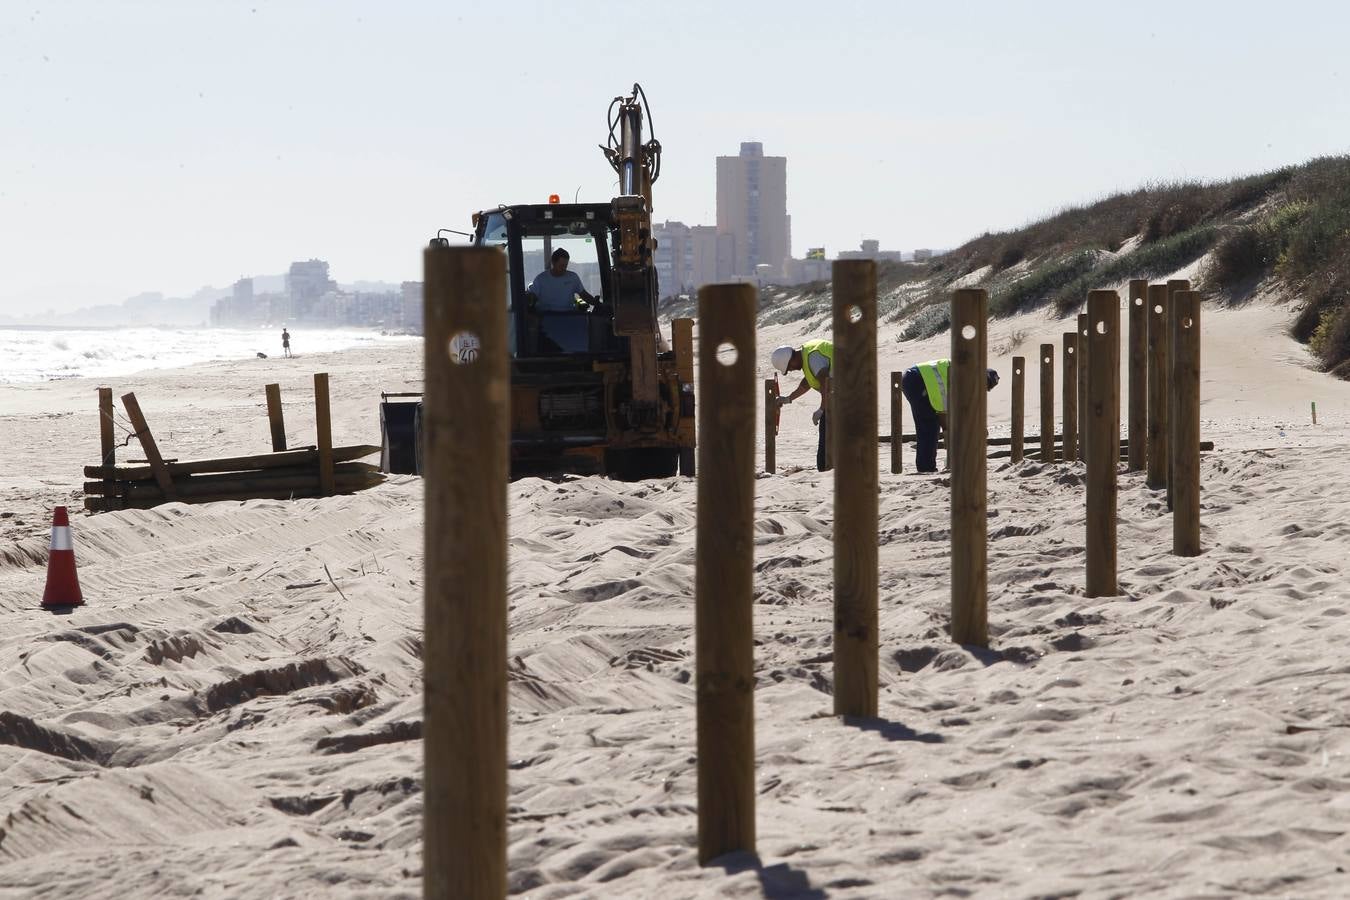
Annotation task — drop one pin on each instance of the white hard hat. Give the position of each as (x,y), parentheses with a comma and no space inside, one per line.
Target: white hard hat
(781,357)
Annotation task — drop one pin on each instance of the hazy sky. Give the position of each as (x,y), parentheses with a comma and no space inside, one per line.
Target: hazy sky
(167,145)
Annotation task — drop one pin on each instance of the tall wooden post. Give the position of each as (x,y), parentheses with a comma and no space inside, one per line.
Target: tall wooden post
(1138,429)
(1175,286)
(106,439)
(898,425)
(323,419)
(1104,425)
(1155,462)
(275,419)
(770,426)
(1047,403)
(152,456)
(1019,378)
(966,451)
(724,571)
(853,432)
(464,660)
(1070,394)
(1185,439)
(1084,346)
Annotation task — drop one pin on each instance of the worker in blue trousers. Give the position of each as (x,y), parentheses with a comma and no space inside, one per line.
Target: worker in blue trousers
(925,387)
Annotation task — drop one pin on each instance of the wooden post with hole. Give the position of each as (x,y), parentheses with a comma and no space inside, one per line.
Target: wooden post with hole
(770,426)
(1185,439)
(1019,378)
(1047,403)
(1138,374)
(1070,397)
(275,419)
(1155,459)
(152,456)
(853,432)
(1174,287)
(106,439)
(1083,347)
(1103,422)
(464,660)
(323,419)
(724,571)
(966,451)
(898,425)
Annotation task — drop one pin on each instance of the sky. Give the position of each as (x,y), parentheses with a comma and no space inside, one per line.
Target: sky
(164,146)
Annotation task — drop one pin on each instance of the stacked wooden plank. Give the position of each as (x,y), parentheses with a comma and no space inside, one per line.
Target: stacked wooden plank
(282,474)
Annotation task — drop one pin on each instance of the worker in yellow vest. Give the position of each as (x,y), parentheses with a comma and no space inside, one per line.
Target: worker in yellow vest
(926,387)
(814,359)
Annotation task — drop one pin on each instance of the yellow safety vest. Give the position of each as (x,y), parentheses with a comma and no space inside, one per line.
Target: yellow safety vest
(936,378)
(809,347)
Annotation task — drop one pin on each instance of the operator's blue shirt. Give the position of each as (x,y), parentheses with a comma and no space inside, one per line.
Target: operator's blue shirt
(555,292)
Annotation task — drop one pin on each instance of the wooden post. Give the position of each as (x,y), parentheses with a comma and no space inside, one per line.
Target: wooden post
(1314,412)
(1070,394)
(967,420)
(770,426)
(1138,428)
(1019,378)
(1103,422)
(724,571)
(464,660)
(1084,345)
(108,442)
(1185,439)
(275,419)
(898,425)
(1047,403)
(162,476)
(324,420)
(853,432)
(1174,287)
(1155,459)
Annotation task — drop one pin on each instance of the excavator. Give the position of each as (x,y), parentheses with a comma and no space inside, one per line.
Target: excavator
(595,387)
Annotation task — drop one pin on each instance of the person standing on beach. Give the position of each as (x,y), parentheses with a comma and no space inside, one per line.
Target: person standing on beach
(286,343)
(813,359)
(925,387)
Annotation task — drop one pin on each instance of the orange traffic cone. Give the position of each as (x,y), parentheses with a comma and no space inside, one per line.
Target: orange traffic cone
(63,586)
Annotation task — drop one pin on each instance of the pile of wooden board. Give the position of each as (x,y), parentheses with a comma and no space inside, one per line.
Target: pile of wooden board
(282,474)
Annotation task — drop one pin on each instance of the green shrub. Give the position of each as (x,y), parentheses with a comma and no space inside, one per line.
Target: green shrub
(932,320)
(1244,255)
(1042,284)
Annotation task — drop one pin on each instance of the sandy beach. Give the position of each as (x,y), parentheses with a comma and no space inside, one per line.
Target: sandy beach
(236,711)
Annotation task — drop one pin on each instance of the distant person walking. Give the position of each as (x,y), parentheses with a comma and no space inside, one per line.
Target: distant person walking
(286,343)
(925,387)
(814,360)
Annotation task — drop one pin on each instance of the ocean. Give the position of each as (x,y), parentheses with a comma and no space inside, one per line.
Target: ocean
(36,353)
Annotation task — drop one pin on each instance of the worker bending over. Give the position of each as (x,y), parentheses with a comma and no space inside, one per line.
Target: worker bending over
(926,386)
(814,360)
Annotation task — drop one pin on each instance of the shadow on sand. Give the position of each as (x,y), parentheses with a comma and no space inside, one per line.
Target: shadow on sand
(778,882)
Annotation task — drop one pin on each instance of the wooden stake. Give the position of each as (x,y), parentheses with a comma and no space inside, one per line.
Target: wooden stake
(898,425)
(968,422)
(1314,412)
(464,660)
(1019,378)
(275,419)
(1155,458)
(1070,395)
(724,571)
(1138,426)
(1185,439)
(108,442)
(1048,402)
(1104,425)
(1084,345)
(770,425)
(323,418)
(157,466)
(1174,287)
(853,429)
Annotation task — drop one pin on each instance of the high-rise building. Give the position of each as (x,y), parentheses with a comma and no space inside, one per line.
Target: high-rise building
(752,209)
(306,282)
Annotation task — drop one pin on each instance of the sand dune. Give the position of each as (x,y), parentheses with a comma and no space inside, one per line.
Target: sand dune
(237,710)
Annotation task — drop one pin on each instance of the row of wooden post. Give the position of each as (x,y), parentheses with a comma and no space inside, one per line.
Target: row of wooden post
(465,659)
